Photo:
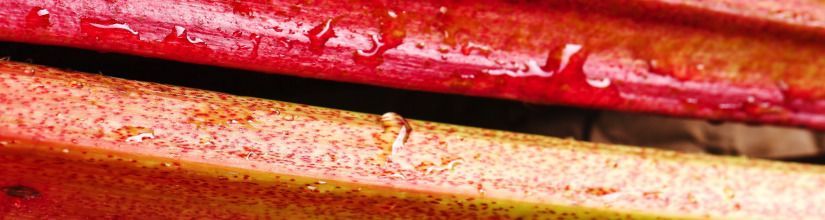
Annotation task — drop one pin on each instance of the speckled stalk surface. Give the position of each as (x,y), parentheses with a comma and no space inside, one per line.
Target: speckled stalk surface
(76,145)
(754,61)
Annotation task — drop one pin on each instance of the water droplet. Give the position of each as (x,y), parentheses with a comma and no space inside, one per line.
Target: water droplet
(322,182)
(134,134)
(38,17)
(392,35)
(180,33)
(442,10)
(21,192)
(139,138)
(557,61)
(443,49)
(118,26)
(42,12)
(396,175)
(288,117)
(110,29)
(194,40)
(601,83)
(470,47)
(530,68)
(446,165)
(319,35)
(366,56)
(751,99)
(65,151)
(312,187)
(568,52)
(396,131)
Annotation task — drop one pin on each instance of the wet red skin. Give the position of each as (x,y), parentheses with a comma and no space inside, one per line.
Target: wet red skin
(71,138)
(720,60)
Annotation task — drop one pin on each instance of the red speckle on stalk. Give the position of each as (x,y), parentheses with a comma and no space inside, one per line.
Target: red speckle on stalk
(210,115)
(320,34)
(240,7)
(423,166)
(248,153)
(38,18)
(600,191)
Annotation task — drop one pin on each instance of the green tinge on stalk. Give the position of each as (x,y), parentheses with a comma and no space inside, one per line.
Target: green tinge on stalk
(75,145)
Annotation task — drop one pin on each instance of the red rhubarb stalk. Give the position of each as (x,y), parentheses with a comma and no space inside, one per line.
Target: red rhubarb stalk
(729,60)
(76,145)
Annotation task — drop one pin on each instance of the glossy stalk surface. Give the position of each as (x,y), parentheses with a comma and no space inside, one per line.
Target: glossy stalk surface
(735,60)
(76,145)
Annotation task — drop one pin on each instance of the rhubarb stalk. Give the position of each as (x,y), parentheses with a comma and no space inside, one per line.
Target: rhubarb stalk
(75,145)
(720,60)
